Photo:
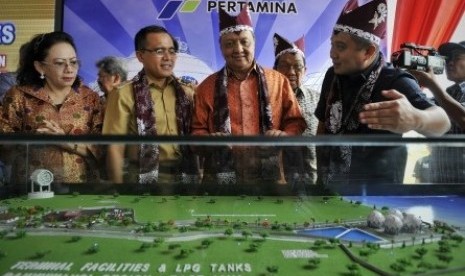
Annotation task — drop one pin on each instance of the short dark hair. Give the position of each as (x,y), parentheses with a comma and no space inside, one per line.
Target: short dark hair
(37,50)
(113,66)
(361,43)
(141,37)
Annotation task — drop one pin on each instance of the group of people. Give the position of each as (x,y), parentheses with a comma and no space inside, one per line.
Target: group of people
(361,94)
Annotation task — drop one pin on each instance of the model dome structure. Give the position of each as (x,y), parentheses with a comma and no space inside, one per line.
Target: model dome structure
(393,224)
(375,219)
(396,212)
(411,223)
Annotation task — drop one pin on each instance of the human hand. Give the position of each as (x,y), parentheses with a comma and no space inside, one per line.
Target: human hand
(53,128)
(395,114)
(222,134)
(50,127)
(275,133)
(219,134)
(424,78)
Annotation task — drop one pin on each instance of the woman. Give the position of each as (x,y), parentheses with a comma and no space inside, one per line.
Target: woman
(50,99)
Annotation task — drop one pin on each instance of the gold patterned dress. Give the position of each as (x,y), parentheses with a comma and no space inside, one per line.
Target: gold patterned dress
(23,111)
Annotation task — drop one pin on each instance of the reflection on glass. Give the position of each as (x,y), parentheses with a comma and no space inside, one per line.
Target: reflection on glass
(233,168)
(174,226)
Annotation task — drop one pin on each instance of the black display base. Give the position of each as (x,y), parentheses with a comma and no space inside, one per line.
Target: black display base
(249,190)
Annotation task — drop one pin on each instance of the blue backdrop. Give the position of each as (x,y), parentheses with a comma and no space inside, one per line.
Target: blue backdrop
(107,27)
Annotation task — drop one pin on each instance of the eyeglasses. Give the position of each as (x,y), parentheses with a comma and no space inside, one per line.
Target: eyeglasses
(61,64)
(287,67)
(160,52)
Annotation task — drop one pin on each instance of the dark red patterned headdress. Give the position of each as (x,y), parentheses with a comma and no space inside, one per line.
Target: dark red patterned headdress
(282,46)
(367,21)
(241,22)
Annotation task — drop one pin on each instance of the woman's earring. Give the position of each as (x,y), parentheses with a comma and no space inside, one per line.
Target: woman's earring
(42,76)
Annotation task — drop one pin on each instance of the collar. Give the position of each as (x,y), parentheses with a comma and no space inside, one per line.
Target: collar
(232,74)
(458,86)
(168,81)
(462,85)
(299,92)
(40,93)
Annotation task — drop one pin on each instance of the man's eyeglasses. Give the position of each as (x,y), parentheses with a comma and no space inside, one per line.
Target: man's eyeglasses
(160,52)
(287,67)
(61,64)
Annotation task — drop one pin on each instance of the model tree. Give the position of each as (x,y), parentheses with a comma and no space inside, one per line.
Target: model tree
(313,263)
(421,252)
(183,253)
(20,234)
(264,234)
(206,243)
(158,241)
(144,246)
(253,247)
(274,269)
(354,269)
(445,257)
(75,238)
(228,232)
(94,248)
(246,234)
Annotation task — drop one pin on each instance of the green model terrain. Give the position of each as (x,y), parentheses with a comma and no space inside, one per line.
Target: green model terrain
(236,248)
(155,208)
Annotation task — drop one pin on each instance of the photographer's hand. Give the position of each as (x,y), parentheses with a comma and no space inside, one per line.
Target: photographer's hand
(425,79)
(454,109)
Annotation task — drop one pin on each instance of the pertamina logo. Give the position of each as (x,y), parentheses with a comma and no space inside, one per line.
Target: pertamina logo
(173,6)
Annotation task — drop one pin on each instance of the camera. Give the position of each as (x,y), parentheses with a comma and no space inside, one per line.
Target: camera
(417,57)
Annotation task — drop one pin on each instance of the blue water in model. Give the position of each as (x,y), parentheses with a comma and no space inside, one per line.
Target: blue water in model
(329,232)
(342,233)
(358,235)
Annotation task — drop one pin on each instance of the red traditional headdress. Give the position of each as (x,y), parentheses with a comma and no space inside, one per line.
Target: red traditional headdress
(238,23)
(282,46)
(367,21)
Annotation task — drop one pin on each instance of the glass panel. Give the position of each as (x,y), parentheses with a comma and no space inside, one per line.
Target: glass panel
(234,165)
(238,206)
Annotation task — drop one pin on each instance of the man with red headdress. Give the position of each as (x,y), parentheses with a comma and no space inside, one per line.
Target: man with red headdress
(361,94)
(243,99)
(290,61)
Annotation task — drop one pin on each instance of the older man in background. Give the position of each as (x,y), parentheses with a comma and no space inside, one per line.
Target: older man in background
(299,165)
(112,72)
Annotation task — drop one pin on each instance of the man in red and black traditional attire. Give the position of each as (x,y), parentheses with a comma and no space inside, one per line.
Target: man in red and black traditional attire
(243,98)
(362,94)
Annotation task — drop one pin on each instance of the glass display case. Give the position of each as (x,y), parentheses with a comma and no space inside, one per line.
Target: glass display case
(231,206)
